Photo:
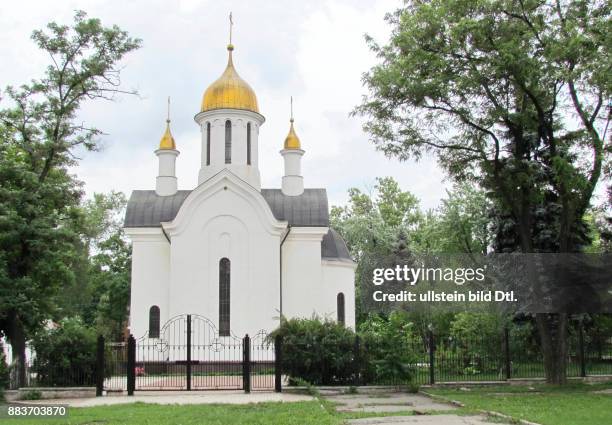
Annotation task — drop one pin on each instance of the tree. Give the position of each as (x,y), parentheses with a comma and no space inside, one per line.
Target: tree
(371,223)
(38,197)
(512,94)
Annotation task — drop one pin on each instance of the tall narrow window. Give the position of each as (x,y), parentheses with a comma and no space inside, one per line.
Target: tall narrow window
(249,144)
(340,308)
(228,142)
(207,143)
(224,297)
(154,322)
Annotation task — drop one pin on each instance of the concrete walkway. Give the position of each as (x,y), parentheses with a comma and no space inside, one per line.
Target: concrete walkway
(418,406)
(179,397)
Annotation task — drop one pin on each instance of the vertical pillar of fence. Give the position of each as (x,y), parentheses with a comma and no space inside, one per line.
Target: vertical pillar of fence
(582,355)
(246,363)
(357,359)
(100,366)
(278,371)
(432,349)
(131,365)
(188,366)
(507,359)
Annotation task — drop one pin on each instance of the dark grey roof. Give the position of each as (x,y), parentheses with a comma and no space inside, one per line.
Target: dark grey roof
(306,210)
(146,209)
(333,246)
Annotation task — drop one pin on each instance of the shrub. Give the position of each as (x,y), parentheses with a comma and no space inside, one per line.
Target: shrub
(320,352)
(66,355)
(31,395)
(388,354)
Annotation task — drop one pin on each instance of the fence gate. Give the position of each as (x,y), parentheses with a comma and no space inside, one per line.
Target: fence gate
(189,354)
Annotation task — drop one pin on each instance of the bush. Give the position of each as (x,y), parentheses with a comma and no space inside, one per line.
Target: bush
(388,354)
(66,355)
(320,352)
(31,395)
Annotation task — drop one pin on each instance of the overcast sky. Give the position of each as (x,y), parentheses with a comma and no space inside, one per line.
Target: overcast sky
(313,50)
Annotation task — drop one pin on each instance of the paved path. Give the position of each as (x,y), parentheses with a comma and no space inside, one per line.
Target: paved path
(388,401)
(422,420)
(179,397)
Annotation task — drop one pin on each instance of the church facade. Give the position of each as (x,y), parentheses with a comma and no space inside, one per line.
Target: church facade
(237,254)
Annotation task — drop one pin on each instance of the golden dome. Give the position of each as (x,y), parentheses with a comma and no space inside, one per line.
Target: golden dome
(292,141)
(167,141)
(229,91)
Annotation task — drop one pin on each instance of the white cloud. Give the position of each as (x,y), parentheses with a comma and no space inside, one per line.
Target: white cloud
(314,51)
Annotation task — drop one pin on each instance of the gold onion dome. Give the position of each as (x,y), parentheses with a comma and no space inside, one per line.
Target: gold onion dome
(292,141)
(229,91)
(167,141)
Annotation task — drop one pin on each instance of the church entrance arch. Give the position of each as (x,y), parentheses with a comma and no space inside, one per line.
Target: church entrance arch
(190,354)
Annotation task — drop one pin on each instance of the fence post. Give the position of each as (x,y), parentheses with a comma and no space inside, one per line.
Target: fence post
(246,363)
(432,349)
(278,372)
(100,366)
(582,356)
(188,352)
(507,358)
(357,359)
(131,365)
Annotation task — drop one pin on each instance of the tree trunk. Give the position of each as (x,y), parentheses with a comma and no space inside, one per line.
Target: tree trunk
(17,339)
(554,340)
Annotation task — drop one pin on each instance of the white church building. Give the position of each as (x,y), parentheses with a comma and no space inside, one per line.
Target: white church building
(229,250)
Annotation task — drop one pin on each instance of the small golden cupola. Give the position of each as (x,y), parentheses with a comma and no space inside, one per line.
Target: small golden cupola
(292,141)
(229,91)
(167,141)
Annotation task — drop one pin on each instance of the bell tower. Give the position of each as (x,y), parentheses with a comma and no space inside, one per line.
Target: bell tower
(229,121)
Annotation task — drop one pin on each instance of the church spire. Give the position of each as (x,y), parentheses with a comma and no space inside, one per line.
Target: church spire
(167,141)
(292,141)
(293,182)
(165,183)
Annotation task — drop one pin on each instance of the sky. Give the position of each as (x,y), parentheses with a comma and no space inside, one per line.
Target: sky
(312,50)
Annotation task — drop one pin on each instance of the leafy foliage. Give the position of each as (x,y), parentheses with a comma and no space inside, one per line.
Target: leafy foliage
(319,352)
(492,87)
(66,355)
(388,351)
(41,250)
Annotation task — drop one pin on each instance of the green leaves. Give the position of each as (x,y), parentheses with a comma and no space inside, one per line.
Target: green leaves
(41,223)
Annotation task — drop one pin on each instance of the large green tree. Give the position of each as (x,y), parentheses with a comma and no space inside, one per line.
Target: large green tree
(514,94)
(40,133)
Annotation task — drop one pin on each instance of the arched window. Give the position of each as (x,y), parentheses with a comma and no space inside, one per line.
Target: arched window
(228,142)
(154,322)
(249,144)
(207,143)
(224,297)
(340,308)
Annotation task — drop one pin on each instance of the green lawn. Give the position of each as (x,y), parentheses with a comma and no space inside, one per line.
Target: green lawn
(576,404)
(309,412)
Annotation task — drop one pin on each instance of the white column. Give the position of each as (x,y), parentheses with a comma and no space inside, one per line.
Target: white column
(293,182)
(166,183)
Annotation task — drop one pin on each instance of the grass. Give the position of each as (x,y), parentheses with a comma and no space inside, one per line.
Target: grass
(574,404)
(307,412)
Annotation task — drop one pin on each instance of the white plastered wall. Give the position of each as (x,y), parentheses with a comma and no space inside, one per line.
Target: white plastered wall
(226,218)
(150,277)
(339,276)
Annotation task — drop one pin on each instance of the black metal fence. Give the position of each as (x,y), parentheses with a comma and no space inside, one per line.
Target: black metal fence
(190,355)
(500,358)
